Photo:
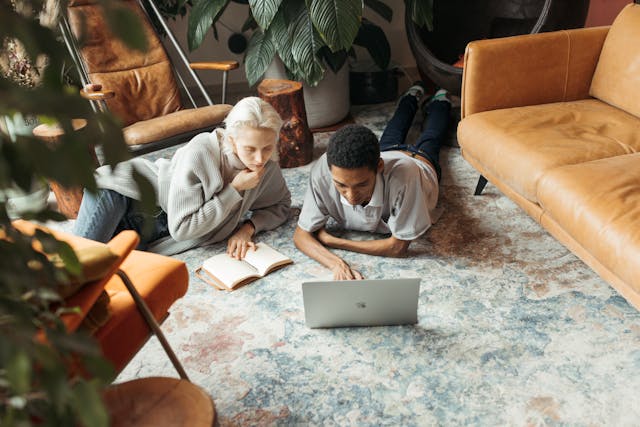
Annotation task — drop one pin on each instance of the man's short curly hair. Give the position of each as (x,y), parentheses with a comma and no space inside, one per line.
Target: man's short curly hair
(352,147)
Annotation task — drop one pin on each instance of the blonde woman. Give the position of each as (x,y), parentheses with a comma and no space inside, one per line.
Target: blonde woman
(203,192)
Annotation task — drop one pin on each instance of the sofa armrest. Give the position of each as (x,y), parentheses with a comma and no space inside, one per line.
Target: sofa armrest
(530,69)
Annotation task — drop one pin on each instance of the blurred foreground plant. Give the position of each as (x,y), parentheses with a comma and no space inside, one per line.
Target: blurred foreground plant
(39,380)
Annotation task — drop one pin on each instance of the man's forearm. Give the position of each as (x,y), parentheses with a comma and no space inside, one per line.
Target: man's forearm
(310,246)
(389,247)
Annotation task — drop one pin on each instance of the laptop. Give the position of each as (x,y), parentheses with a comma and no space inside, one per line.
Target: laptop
(340,303)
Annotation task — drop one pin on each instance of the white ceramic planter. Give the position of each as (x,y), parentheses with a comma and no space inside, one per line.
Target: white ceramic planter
(17,200)
(326,104)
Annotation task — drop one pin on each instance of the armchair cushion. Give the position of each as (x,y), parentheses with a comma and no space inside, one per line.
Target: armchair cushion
(142,81)
(204,118)
(617,77)
(96,262)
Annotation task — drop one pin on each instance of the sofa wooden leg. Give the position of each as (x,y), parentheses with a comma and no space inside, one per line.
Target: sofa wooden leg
(482,181)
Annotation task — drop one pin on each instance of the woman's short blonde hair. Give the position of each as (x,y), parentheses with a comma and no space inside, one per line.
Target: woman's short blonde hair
(251,112)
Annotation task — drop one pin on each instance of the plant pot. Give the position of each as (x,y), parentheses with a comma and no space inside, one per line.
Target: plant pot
(326,104)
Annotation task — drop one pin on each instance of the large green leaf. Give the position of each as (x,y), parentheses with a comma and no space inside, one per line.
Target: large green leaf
(337,21)
(201,18)
(304,47)
(372,38)
(86,401)
(283,40)
(259,55)
(380,8)
(335,60)
(264,11)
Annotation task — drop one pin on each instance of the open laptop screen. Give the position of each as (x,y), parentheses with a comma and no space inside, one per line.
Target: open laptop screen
(361,302)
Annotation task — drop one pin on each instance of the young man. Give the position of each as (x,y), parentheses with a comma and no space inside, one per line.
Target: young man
(394,192)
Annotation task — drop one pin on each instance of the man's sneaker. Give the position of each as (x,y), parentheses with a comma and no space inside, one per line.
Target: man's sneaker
(441,95)
(417,90)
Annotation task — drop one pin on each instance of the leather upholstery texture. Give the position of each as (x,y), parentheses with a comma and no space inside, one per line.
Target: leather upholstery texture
(599,208)
(570,160)
(518,145)
(143,81)
(617,77)
(530,69)
(175,123)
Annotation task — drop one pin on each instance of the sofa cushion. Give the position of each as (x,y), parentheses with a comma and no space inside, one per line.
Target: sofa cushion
(519,145)
(616,80)
(598,204)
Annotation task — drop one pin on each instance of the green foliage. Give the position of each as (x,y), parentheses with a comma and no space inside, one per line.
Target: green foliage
(421,12)
(37,382)
(307,35)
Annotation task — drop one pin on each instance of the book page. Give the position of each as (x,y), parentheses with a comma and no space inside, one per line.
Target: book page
(228,270)
(265,257)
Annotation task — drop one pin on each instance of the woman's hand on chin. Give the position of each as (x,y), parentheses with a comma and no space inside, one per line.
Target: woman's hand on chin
(247,179)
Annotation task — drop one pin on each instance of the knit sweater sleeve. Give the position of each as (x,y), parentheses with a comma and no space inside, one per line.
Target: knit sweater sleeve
(271,207)
(197,201)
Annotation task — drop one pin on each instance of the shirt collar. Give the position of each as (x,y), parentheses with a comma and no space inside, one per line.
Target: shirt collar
(377,198)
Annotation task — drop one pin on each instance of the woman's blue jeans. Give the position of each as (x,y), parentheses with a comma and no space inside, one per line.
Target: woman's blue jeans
(430,140)
(106,213)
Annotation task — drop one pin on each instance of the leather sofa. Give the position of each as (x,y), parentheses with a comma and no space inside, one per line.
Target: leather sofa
(553,121)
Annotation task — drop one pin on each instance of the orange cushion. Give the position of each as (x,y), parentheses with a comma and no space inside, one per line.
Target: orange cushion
(598,204)
(160,280)
(518,145)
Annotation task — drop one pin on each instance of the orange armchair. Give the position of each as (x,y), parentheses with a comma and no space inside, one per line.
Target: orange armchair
(142,287)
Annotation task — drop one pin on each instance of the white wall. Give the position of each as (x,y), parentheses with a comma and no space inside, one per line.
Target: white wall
(234,17)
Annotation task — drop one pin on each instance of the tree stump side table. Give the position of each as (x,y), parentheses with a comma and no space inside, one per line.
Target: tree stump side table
(68,199)
(296,140)
(158,402)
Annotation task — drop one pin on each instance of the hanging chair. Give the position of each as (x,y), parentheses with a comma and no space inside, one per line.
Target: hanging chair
(457,22)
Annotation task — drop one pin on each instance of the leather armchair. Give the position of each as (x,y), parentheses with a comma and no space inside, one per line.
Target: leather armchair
(140,88)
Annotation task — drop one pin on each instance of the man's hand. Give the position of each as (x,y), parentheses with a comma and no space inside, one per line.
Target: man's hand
(240,242)
(342,271)
(247,179)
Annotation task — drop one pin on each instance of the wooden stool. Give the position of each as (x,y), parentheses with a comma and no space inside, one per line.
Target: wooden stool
(296,141)
(158,402)
(68,198)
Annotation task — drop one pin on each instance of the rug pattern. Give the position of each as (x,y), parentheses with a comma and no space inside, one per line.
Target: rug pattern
(513,329)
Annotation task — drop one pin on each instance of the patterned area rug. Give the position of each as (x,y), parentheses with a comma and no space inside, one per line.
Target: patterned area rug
(513,329)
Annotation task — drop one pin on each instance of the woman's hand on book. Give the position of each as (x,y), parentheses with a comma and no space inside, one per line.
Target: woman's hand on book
(240,242)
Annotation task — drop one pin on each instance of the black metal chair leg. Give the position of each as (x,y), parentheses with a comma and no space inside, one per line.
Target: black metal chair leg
(482,181)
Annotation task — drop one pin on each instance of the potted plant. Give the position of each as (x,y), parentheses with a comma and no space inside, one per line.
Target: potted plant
(309,37)
(38,384)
